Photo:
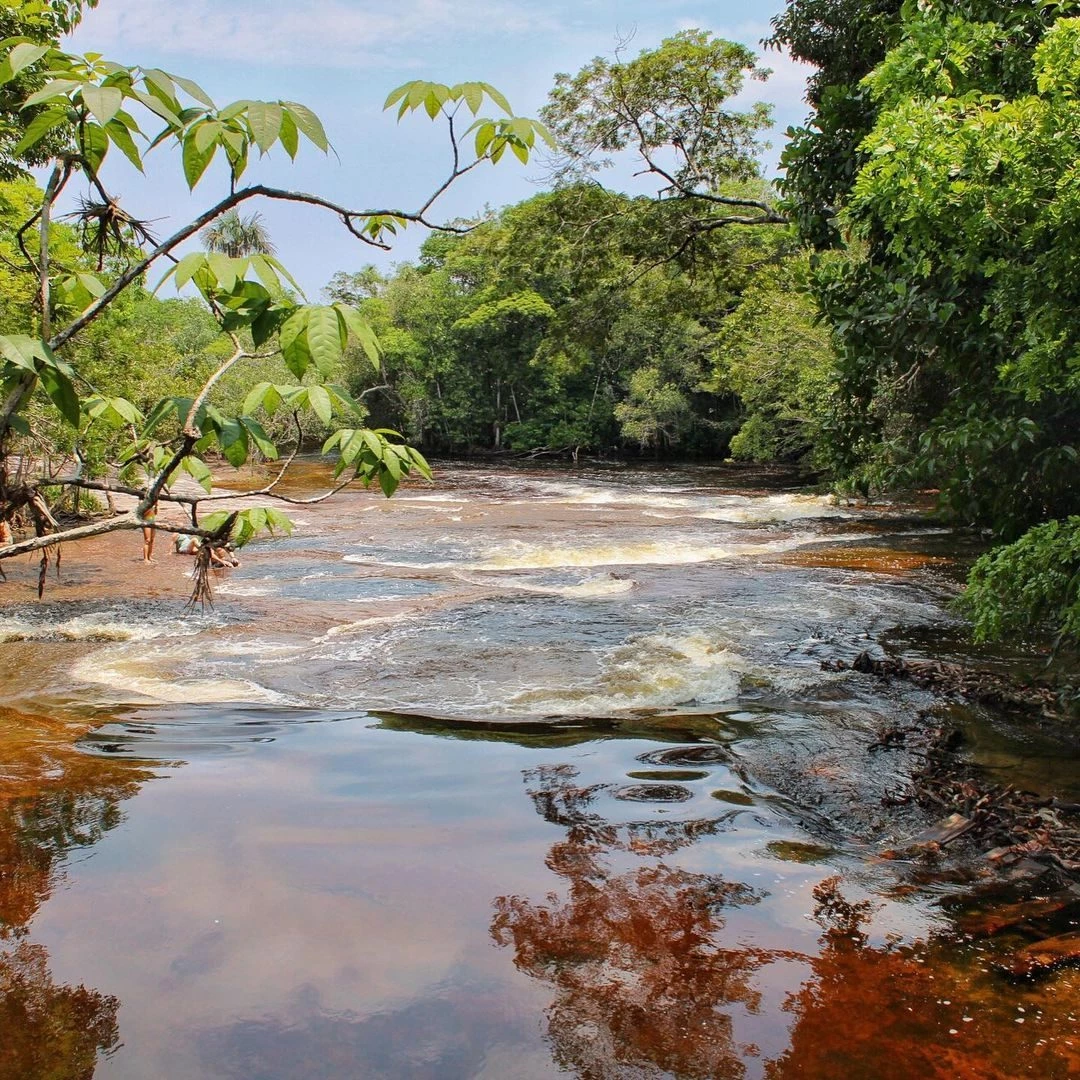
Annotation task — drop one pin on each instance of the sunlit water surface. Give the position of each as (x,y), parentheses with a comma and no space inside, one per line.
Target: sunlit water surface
(530,774)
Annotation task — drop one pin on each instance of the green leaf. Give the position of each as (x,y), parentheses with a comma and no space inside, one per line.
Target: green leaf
(195,163)
(294,343)
(258,395)
(376,445)
(206,133)
(484,134)
(185,269)
(319,400)
(226,269)
(422,467)
(61,392)
(474,96)
(309,124)
(103,101)
(58,88)
(498,98)
(265,120)
(388,482)
(396,95)
(43,123)
(91,284)
(197,469)
(121,138)
(193,89)
(233,440)
(326,338)
(161,82)
(277,521)
(24,54)
(260,438)
(94,143)
(158,107)
(358,326)
(289,135)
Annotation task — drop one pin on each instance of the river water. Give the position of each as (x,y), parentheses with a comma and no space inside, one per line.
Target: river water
(533,773)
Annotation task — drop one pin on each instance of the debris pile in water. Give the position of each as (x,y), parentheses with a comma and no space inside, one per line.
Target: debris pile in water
(984,687)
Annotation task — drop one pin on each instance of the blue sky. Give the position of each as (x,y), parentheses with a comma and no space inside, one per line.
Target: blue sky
(341,57)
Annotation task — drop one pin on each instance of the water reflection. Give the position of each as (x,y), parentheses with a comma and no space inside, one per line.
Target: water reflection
(651,980)
(642,974)
(53,801)
(50,1031)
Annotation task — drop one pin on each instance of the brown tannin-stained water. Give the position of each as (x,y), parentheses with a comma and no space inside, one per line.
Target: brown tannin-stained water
(531,774)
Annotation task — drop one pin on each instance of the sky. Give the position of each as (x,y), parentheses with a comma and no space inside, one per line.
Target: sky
(341,57)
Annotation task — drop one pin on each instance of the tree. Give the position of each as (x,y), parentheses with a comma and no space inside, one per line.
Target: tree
(248,295)
(667,108)
(953,295)
(236,236)
(33,23)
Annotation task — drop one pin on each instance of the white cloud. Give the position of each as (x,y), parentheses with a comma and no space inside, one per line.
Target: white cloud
(332,33)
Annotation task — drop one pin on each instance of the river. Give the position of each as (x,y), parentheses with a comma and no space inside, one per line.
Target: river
(532,773)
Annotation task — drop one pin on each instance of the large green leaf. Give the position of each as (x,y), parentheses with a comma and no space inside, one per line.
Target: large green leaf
(265,119)
(326,337)
(121,138)
(294,342)
(94,144)
(309,124)
(233,440)
(43,123)
(103,101)
(23,55)
(196,468)
(61,392)
(196,161)
(319,401)
(358,326)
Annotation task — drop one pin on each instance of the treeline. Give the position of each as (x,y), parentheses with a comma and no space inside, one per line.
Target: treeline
(560,325)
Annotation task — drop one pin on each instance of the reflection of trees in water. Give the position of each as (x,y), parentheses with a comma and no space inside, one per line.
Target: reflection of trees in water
(643,981)
(49,1031)
(645,985)
(53,800)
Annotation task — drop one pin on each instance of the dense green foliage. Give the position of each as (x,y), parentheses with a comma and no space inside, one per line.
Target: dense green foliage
(538,331)
(940,164)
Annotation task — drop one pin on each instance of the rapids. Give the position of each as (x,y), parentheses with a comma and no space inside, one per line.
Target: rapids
(535,773)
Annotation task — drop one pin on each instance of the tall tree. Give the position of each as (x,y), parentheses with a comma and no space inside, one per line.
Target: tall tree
(237,236)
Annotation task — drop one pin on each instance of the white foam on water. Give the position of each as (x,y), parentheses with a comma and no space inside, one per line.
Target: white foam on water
(359,625)
(775,508)
(591,588)
(521,556)
(654,671)
(605,498)
(90,628)
(129,676)
(518,555)
(236,588)
(444,497)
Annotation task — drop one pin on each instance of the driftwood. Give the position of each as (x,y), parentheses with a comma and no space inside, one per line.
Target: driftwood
(984,687)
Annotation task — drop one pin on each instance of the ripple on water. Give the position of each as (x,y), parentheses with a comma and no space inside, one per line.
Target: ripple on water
(654,793)
(706,754)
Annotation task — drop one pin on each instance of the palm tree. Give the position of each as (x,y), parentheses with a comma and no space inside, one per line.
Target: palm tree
(236,236)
